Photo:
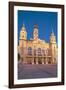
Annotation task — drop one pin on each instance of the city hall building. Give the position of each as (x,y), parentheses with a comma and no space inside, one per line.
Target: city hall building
(35,50)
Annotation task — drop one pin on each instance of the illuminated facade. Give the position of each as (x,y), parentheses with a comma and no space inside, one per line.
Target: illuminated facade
(37,51)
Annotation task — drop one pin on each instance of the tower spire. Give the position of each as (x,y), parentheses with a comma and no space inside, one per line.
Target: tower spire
(52,37)
(23,24)
(23,27)
(52,31)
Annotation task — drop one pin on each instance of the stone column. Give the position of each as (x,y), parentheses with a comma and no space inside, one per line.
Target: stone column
(36,60)
(46,60)
(42,57)
(33,60)
(32,56)
(36,56)
(42,60)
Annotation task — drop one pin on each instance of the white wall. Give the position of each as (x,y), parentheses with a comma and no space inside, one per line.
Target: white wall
(4,44)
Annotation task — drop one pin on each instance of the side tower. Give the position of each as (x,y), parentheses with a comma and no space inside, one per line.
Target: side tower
(23,33)
(23,43)
(53,47)
(23,36)
(35,33)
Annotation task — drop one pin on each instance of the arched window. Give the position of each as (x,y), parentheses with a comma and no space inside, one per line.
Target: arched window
(30,51)
(46,52)
(39,51)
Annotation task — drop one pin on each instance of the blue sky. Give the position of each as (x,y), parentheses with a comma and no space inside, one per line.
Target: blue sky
(46,21)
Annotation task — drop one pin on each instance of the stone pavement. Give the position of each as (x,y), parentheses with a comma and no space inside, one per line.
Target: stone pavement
(28,71)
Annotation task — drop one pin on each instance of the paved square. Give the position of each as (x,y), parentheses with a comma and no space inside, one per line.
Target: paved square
(28,71)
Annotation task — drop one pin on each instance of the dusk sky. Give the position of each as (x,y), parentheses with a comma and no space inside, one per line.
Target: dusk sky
(46,21)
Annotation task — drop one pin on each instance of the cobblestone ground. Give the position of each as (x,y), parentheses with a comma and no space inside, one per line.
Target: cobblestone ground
(28,71)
